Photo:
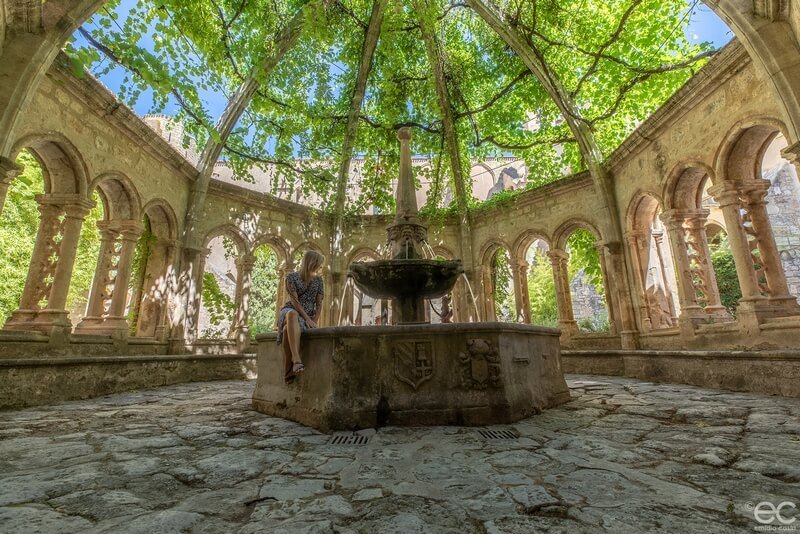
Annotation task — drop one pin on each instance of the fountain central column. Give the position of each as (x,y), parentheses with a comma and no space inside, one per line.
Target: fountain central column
(407,278)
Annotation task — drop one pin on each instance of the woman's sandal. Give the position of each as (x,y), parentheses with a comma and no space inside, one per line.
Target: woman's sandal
(298,368)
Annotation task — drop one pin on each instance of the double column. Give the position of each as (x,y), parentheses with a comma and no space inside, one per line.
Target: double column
(559,259)
(521,294)
(108,298)
(765,293)
(44,298)
(698,294)
(240,328)
(157,290)
(488,286)
(8,171)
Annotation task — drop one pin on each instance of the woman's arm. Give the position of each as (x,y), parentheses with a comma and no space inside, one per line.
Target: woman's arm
(318,307)
(294,301)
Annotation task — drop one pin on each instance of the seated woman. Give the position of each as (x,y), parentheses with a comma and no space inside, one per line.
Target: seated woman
(305,291)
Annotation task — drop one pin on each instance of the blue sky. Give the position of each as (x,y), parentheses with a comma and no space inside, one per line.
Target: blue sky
(704,26)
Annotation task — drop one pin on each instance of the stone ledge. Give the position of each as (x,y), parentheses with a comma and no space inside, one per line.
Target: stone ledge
(32,362)
(774,372)
(30,382)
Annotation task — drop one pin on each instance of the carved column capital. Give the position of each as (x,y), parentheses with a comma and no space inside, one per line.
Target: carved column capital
(792,153)
(8,170)
(557,256)
(129,230)
(697,219)
(246,262)
(726,194)
(755,193)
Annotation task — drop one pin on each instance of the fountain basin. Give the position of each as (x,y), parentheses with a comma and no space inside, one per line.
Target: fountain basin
(416,278)
(411,375)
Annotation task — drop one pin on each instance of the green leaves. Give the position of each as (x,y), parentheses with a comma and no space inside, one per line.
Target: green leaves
(619,60)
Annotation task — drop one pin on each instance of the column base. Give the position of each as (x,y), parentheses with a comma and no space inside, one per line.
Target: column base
(54,323)
(695,316)
(765,308)
(568,329)
(242,337)
(629,340)
(103,326)
(21,320)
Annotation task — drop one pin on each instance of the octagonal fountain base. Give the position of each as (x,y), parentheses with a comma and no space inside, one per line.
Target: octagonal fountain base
(411,375)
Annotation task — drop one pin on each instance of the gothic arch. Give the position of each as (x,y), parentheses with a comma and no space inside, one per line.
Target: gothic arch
(443,252)
(277,244)
(63,166)
(229,231)
(685,187)
(363,253)
(521,245)
(119,197)
(307,245)
(163,222)
(567,228)
(490,248)
(739,157)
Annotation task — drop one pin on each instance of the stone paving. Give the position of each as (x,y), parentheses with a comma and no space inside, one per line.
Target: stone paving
(622,456)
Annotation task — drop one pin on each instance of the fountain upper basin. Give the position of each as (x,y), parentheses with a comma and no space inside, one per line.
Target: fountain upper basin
(414,278)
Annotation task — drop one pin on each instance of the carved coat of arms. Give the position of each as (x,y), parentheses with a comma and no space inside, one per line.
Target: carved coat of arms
(480,365)
(413,362)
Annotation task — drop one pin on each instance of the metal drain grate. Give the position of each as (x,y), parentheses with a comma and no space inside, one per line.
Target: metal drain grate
(498,434)
(349,439)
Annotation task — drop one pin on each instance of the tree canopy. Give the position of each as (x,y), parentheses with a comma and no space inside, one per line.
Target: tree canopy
(618,60)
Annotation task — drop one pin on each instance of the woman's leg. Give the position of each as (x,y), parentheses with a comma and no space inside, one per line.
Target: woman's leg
(287,352)
(293,329)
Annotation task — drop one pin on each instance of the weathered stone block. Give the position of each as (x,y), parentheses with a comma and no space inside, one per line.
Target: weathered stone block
(455,374)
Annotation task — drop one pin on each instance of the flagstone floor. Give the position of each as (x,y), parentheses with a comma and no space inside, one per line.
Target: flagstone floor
(622,456)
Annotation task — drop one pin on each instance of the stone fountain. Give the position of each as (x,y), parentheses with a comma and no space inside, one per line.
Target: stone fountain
(412,373)
(408,279)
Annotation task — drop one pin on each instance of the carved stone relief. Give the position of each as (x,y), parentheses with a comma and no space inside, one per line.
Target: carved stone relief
(413,362)
(480,365)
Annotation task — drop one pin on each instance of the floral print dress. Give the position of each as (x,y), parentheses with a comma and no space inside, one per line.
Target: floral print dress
(306,294)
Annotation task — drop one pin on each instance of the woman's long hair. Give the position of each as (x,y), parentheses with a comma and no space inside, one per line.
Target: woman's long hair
(312,261)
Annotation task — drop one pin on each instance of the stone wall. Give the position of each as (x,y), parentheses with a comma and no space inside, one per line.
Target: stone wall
(588,305)
(784,214)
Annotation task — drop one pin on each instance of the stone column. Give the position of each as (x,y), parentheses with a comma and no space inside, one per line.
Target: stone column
(51,266)
(281,297)
(105,313)
(8,171)
(38,281)
(691,311)
(754,198)
(97,305)
(727,195)
(157,291)
(129,234)
(521,295)
(168,294)
(696,230)
(487,290)
(658,239)
(183,330)
(615,321)
(196,295)
(638,244)
(566,318)
(55,317)
(240,329)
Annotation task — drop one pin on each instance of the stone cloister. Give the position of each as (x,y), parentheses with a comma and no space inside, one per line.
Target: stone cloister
(691,170)
(660,286)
